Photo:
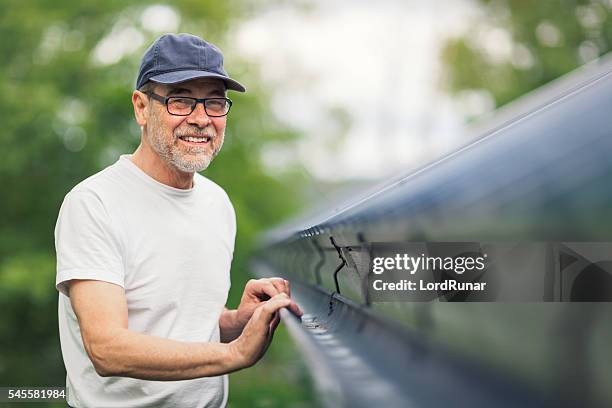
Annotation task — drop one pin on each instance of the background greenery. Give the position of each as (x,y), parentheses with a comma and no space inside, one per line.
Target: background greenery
(547,39)
(65,117)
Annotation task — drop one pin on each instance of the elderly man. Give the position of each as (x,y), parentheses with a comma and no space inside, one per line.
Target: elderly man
(144,250)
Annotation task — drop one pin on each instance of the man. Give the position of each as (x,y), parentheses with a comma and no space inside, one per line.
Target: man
(144,250)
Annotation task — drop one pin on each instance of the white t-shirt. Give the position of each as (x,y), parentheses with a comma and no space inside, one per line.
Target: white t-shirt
(171,250)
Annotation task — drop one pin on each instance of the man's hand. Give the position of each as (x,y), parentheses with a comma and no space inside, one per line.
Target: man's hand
(258,291)
(257,335)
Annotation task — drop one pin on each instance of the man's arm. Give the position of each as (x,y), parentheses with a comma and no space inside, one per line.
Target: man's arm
(114,350)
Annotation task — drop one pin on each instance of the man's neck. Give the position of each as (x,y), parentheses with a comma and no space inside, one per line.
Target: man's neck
(150,162)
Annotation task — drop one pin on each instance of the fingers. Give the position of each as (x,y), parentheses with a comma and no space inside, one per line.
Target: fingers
(295,309)
(264,314)
(276,303)
(287,286)
(263,288)
(281,285)
(274,323)
(269,287)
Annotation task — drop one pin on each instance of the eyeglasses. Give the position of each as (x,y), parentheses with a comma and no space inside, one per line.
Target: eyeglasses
(184,106)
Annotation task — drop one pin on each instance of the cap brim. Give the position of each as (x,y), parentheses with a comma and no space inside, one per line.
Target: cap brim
(176,77)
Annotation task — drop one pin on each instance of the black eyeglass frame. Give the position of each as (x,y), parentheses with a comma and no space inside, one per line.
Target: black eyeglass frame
(165,99)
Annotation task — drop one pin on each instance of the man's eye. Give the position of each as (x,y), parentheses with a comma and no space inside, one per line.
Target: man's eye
(215,104)
(181,102)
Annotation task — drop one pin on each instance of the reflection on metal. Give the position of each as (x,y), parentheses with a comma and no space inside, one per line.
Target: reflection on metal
(544,181)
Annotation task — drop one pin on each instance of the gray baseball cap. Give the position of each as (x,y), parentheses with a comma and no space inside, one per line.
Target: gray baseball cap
(175,58)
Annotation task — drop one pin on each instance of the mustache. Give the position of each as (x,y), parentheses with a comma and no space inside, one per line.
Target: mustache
(195,132)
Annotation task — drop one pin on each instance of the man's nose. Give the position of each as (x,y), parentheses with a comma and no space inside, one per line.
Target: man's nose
(199,117)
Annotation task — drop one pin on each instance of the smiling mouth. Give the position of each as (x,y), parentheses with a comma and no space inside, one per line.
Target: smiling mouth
(195,140)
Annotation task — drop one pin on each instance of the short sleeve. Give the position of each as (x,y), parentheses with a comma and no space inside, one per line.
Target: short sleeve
(86,243)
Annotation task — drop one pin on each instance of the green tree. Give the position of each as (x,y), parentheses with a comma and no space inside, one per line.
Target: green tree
(519,45)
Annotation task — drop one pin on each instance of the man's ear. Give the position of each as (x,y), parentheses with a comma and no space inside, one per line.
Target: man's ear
(141,107)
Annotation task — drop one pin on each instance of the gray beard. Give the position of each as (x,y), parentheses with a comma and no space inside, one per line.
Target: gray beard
(171,153)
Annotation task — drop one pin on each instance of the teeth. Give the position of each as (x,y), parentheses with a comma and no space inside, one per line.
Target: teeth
(196,139)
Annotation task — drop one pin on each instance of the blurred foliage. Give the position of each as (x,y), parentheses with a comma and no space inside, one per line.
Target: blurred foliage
(66,114)
(516,46)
